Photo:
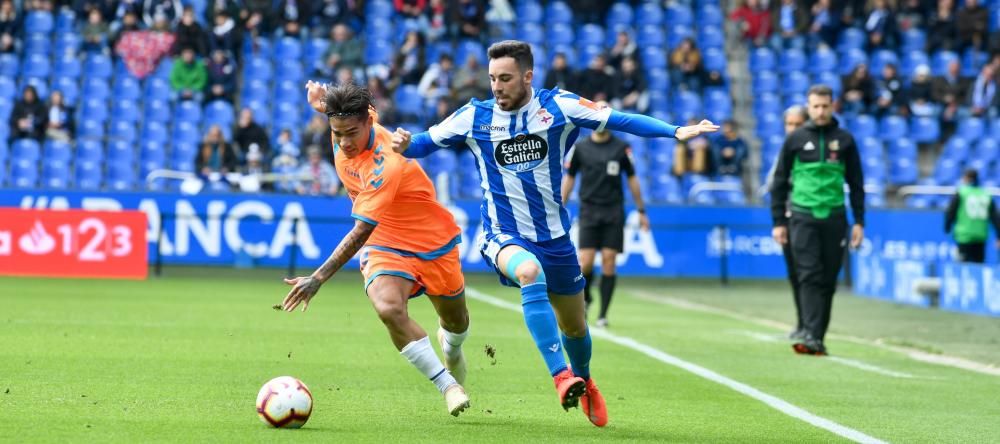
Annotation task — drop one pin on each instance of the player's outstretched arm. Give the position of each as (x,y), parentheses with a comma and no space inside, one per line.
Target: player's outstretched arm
(315,92)
(305,287)
(646,126)
(413,146)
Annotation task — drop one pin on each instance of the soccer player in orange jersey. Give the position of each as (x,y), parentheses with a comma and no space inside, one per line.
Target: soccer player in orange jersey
(409,240)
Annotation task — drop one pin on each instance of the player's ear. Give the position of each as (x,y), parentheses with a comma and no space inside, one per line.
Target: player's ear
(528,76)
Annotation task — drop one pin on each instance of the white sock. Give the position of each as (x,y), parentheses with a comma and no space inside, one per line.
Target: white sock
(422,356)
(452,346)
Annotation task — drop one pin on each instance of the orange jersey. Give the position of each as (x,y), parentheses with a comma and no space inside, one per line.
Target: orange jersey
(393,193)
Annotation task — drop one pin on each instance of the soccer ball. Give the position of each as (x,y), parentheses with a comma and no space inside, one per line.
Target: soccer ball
(284,402)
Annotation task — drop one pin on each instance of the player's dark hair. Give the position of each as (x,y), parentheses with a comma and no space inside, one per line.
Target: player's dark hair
(971,176)
(820,90)
(515,49)
(347,100)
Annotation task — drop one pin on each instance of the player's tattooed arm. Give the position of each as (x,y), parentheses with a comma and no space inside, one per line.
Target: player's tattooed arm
(305,287)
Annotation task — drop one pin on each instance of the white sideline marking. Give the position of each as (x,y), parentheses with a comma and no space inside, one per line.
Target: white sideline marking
(917,355)
(765,337)
(772,401)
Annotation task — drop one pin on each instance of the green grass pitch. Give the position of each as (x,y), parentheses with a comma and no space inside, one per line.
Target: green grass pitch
(180,359)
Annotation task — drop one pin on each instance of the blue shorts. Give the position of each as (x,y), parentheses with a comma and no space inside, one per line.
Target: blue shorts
(557,256)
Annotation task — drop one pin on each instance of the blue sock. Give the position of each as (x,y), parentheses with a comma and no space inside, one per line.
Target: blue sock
(579,350)
(541,322)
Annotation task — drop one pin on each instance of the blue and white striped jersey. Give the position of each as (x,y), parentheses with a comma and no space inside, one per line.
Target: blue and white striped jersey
(519,156)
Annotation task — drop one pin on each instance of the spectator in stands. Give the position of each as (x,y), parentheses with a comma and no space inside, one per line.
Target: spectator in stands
(285,144)
(500,17)
(630,88)
(170,9)
(942,35)
(685,65)
(119,28)
(560,75)
(754,20)
(143,50)
(381,98)
(693,155)
(344,51)
(224,35)
(950,91)
(329,13)
(290,16)
(624,47)
(471,80)
(442,109)
(437,81)
(858,91)
(95,33)
(253,172)
(10,26)
(82,8)
(891,95)
(221,77)
(983,99)
(729,151)
(972,22)
(249,133)
(471,19)
(412,12)
(594,82)
(27,119)
(215,156)
(713,78)
(287,163)
(880,26)
(256,17)
(825,25)
(124,8)
(790,21)
(188,77)
(58,118)
(438,23)
(410,62)
(345,75)
(323,178)
(921,94)
(317,133)
(190,34)
(232,8)
(912,15)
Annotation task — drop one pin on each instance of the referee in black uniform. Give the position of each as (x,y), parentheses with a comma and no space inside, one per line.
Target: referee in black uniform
(815,162)
(602,159)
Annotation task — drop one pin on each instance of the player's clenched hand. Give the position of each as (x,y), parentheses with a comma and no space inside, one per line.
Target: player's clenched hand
(303,290)
(400,140)
(315,92)
(780,235)
(692,131)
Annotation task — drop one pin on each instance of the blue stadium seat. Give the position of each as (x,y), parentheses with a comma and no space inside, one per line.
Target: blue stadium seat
(125,110)
(157,89)
(903,171)
(35,65)
(795,82)
(9,66)
(822,60)
(258,68)
(658,79)
(956,148)
(651,35)
(940,61)
(558,12)
(864,126)
(851,38)
(710,36)
(850,59)
(651,13)
(121,176)
(220,111)
(767,103)
(831,79)
(56,175)
(764,82)
(69,89)
(619,14)
(36,44)
(559,34)
(893,127)
(947,171)
(902,147)
(914,39)
(290,70)
(27,149)
(23,173)
(675,14)
(120,151)
(714,59)
(67,45)
(987,150)
(653,58)
(122,130)
(687,105)
(911,60)
(65,21)
(769,125)
(68,67)
(88,175)
(89,150)
(94,109)
(187,111)
(591,34)
(530,32)
(665,189)
(792,60)
(972,62)
(409,103)
(153,131)
(90,129)
(880,58)
(40,84)
(677,34)
(529,12)
(152,156)
(710,15)
(127,88)
(971,128)
(39,21)
(378,52)
(313,54)
(58,151)
(8,90)
(874,168)
(183,152)
(382,9)
(287,49)
(156,110)
(97,65)
(925,129)
(96,89)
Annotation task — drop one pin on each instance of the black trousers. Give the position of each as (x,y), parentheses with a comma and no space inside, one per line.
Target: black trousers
(818,251)
(793,279)
(974,252)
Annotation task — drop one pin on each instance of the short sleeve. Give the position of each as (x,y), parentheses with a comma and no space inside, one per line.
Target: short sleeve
(583,112)
(453,130)
(380,184)
(627,165)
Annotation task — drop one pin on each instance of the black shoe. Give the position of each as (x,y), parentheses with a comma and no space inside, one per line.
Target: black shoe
(809,346)
(798,335)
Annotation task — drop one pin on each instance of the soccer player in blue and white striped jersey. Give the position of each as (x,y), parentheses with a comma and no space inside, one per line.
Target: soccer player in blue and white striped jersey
(519,139)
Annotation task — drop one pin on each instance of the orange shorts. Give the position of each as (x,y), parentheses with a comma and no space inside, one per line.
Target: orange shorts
(440,277)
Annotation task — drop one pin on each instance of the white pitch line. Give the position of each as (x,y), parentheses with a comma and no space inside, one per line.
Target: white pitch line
(765,337)
(771,400)
(917,355)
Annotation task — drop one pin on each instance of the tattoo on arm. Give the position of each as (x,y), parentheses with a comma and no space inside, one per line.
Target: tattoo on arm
(348,247)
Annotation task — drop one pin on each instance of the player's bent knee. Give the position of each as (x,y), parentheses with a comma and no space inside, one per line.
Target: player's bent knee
(390,312)
(525,268)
